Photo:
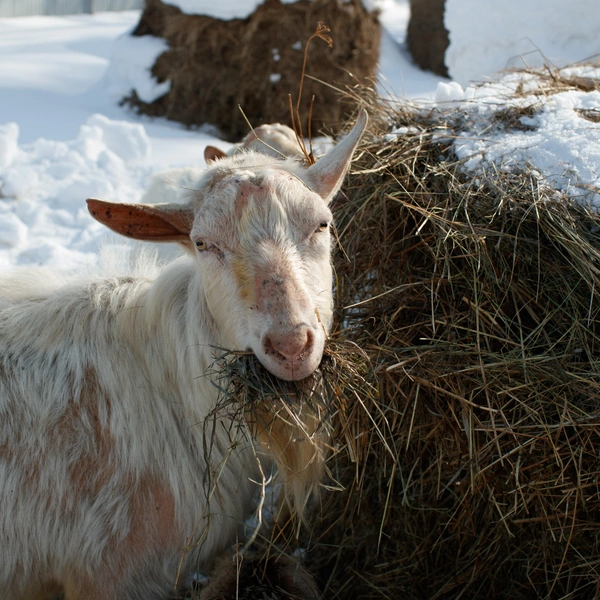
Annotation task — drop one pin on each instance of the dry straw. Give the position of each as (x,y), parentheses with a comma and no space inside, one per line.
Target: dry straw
(465,446)
(214,66)
(478,305)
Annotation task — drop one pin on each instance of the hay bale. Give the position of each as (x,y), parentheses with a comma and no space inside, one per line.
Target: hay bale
(474,469)
(215,65)
(466,427)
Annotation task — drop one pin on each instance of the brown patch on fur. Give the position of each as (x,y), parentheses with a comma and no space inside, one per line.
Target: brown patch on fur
(92,469)
(153,518)
(79,588)
(241,202)
(244,280)
(151,503)
(89,470)
(92,473)
(46,591)
(153,532)
(6,452)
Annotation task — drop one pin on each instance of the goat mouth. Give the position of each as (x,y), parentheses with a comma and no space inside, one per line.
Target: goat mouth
(293,371)
(306,353)
(300,367)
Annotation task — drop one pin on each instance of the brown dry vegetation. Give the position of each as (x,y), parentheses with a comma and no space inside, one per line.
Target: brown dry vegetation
(480,318)
(215,66)
(467,427)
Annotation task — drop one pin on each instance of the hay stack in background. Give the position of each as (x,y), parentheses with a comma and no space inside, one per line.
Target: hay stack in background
(215,65)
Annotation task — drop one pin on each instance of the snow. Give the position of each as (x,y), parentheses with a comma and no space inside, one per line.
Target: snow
(487,35)
(224,9)
(64,137)
(399,77)
(9,148)
(559,140)
(44,185)
(131,62)
(447,93)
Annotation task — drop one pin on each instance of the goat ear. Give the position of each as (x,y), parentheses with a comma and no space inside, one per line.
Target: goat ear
(326,176)
(212,153)
(148,222)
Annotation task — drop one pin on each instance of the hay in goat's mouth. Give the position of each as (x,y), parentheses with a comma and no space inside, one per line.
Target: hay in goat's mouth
(293,419)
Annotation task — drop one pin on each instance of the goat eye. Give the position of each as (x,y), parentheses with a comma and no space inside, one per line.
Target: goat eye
(201,245)
(323,226)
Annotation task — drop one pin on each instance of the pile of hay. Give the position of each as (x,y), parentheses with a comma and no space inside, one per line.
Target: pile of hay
(469,455)
(476,472)
(255,63)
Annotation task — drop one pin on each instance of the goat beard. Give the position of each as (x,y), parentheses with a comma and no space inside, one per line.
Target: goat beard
(296,439)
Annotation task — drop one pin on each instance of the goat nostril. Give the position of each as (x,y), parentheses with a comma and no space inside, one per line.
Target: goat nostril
(292,346)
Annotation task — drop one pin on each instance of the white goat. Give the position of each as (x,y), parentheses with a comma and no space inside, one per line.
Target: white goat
(274,140)
(114,483)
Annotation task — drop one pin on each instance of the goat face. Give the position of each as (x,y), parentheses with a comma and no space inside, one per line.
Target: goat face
(259,230)
(263,249)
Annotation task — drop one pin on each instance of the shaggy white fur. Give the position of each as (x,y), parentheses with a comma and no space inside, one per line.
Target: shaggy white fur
(116,477)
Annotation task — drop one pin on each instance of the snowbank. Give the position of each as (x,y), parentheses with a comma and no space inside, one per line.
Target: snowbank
(43,187)
(511,125)
(487,36)
(130,67)
(224,10)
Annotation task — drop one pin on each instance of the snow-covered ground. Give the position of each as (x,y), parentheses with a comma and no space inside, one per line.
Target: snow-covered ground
(491,35)
(64,137)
